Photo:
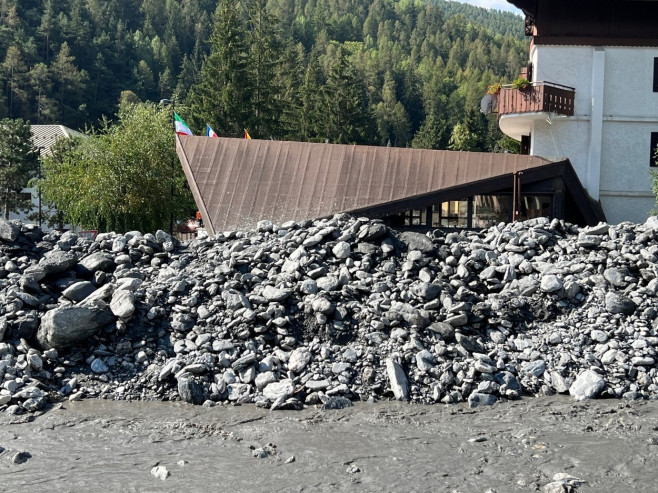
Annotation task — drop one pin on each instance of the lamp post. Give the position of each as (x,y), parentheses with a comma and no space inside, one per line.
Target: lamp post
(171,102)
(40,149)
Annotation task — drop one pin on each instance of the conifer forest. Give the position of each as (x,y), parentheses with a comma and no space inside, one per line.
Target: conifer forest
(408,73)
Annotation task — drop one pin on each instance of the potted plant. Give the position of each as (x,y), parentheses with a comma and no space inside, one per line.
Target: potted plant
(521,83)
(494,88)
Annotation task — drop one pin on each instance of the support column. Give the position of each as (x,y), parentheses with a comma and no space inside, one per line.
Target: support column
(593,176)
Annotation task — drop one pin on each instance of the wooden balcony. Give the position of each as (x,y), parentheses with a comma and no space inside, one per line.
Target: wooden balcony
(537,98)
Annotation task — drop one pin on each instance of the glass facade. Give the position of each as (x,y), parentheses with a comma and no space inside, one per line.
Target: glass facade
(477,212)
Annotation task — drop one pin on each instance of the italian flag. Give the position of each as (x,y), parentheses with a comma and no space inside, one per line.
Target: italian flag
(181,126)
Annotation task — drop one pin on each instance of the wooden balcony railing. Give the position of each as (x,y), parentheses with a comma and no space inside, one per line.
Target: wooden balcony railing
(538,97)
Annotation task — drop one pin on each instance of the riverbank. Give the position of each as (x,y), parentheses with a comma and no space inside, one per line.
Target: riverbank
(609,445)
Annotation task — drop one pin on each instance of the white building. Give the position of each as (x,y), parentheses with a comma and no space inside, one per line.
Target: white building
(43,138)
(599,105)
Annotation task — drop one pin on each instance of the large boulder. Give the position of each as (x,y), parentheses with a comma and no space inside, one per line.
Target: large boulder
(58,261)
(97,261)
(8,231)
(66,326)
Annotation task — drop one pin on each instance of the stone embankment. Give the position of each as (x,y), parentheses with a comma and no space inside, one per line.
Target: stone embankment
(327,312)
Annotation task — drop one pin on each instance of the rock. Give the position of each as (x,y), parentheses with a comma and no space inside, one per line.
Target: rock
(398,380)
(478,399)
(336,402)
(79,291)
(425,360)
(123,303)
(98,261)
(616,303)
(279,390)
(160,472)
(587,385)
(299,359)
(341,250)
(190,391)
(21,457)
(66,326)
(416,241)
(8,231)
(550,283)
(271,293)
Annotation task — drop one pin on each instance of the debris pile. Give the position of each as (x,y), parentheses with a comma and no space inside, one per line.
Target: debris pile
(329,311)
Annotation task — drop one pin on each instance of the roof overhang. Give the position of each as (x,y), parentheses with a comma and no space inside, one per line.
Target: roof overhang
(237,182)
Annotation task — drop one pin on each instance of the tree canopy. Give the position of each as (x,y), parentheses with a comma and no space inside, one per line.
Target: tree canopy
(284,69)
(121,177)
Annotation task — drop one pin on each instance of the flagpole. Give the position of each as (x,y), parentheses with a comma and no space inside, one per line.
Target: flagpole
(172,102)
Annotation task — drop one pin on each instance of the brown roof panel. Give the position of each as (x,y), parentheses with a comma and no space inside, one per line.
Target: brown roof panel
(237,182)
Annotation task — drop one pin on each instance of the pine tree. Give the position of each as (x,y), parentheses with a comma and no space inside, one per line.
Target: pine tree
(347,118)
(221,98)
(265,54)
(18,162)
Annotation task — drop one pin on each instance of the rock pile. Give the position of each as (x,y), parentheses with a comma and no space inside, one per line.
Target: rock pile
(329,311)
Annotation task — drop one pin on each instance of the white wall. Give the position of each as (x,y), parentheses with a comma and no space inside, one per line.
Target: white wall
(608,138)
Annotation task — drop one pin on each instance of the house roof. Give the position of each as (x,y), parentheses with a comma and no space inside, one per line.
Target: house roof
(530,6)
(237,182)
(44,136)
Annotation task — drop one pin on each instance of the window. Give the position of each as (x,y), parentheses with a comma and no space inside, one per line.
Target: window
(655,75)
(653,158)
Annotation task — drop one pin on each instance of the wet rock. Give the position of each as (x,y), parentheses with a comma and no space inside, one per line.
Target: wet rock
(160,472)
(336,402)
(477,399)
(587,385)
(397,379)
(190,391)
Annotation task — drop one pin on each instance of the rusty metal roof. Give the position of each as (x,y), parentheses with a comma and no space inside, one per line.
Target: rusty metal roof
(237,182)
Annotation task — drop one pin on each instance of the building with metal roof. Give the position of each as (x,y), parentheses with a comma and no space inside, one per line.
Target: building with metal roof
(237,182)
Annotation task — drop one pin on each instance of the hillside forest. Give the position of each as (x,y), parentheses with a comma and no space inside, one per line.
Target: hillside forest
(383,72)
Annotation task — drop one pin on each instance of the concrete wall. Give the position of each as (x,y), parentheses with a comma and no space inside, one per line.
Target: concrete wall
(608,138)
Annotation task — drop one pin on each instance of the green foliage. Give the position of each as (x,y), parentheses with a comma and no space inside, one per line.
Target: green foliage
(520,83)
(267,65)
(120,178)
(18,162)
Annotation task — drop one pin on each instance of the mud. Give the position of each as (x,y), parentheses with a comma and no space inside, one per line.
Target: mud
(611,445)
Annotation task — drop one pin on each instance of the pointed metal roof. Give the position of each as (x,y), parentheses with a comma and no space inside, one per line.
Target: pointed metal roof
(237,182)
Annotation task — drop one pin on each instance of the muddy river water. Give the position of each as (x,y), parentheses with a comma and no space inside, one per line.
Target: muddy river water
(96,445)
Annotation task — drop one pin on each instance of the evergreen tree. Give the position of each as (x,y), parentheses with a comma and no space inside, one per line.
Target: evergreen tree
(265,53)
(18,162)
(346,116)
(392,119)
(221,97)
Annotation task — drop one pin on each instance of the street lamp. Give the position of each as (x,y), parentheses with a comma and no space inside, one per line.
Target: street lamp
(40,149)
(172,102)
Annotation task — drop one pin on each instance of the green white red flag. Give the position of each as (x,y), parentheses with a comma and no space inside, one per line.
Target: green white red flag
(181,126)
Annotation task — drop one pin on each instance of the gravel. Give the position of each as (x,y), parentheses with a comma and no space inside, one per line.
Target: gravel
(293,314)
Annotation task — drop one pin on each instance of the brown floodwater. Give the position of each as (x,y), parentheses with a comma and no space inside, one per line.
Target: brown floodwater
(97,445)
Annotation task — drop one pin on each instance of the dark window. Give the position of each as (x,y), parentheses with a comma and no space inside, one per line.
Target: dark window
(653,155)
(655,75)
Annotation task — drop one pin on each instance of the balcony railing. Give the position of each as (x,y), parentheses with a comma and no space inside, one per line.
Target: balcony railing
(537,97)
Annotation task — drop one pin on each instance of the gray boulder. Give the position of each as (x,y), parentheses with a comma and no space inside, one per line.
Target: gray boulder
(66,326)
(398,380)
(587,386)
(8,231)
(79,291)
(94,262)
